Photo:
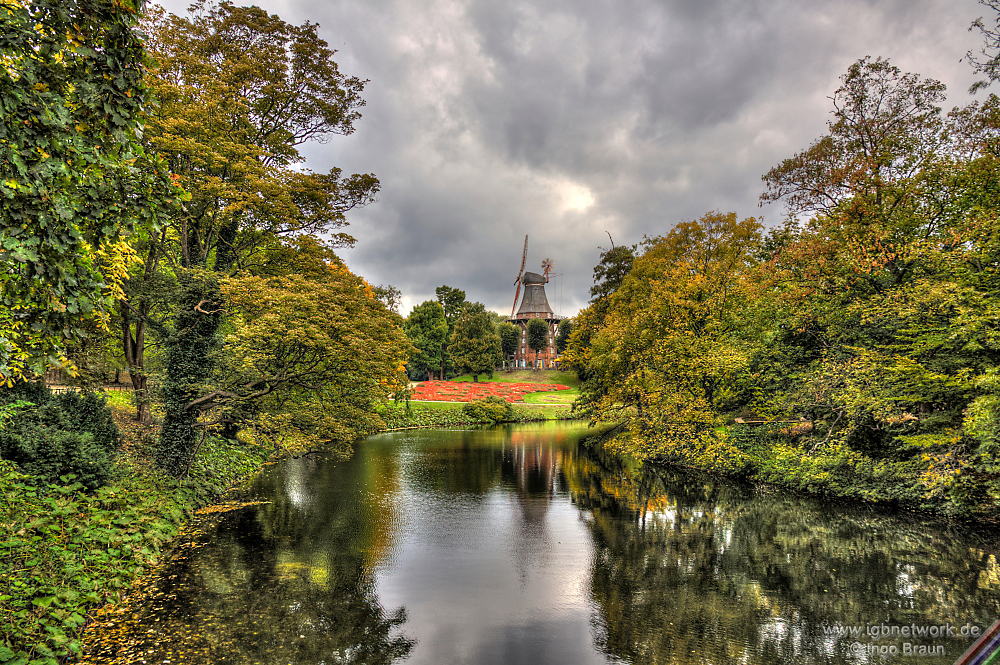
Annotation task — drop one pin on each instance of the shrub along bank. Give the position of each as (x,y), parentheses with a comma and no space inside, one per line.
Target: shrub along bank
(435,414)
(68,546)
(776,454)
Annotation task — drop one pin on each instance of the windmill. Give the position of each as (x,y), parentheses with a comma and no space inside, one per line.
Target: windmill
(517,280)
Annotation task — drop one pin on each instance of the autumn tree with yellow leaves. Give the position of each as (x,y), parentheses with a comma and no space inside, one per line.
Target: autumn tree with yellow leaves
(862,334)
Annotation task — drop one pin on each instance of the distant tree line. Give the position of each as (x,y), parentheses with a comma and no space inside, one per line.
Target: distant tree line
(453,335)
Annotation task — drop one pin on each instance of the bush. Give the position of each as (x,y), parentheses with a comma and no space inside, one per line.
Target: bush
(49,436)
(49,452)
(89,412)
(489,409)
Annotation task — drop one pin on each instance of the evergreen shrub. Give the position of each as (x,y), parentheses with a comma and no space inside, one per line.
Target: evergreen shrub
(49,436)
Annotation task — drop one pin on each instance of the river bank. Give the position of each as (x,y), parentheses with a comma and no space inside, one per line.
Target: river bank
(66,552)
(388,554)
(791,457)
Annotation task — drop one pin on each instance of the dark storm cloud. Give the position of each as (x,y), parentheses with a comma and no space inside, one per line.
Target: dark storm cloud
(567,119)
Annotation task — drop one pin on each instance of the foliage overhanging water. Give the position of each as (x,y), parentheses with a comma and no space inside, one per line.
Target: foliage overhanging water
(519,545)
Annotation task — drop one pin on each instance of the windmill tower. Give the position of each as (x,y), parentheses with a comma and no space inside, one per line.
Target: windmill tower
(534,305)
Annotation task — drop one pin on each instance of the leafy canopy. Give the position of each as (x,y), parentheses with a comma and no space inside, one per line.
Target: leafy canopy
(475,346)
(317,357)
(240,90)
(75,179)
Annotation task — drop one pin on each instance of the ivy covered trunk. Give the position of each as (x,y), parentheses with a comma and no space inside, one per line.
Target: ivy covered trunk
(188,367)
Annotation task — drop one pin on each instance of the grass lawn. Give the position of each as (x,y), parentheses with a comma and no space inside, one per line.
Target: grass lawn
(564,397)
(550,411)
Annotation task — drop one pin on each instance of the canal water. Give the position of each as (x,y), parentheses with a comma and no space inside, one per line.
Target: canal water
(519,545)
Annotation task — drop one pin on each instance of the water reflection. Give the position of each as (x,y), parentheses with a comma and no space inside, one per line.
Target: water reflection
(691,569)
(492,566)
(518,545)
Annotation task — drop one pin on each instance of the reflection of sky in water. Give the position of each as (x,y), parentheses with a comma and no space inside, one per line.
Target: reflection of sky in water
(502,578)
(512,546)
(295,487)
(905,582)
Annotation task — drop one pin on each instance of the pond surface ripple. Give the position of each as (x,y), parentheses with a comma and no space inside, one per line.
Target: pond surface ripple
(519,545)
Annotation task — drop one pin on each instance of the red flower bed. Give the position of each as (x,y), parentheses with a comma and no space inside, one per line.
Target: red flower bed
(448,391)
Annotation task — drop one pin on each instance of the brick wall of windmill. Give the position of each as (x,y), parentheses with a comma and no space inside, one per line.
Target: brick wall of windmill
(525,353)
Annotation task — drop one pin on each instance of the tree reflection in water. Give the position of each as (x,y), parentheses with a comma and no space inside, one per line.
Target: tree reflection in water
(692,569)
(284,582)
(520,545)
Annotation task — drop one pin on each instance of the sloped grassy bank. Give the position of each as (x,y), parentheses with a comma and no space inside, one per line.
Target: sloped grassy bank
(65,550)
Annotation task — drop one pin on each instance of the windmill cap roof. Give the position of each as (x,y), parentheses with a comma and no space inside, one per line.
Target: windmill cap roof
(532,278)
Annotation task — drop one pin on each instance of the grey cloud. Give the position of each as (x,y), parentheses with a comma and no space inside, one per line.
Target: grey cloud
(564,119)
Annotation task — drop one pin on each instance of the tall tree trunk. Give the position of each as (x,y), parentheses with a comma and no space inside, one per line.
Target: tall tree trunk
(141,390)
(134,317)
(134,342)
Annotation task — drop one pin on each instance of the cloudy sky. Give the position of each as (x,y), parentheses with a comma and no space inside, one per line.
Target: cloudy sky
(567,120)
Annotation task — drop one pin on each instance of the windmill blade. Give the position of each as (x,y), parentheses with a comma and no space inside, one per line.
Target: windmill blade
(517,280)
(524,256)
(516,294)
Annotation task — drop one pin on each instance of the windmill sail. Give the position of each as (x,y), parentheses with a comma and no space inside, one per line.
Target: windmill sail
(517,280)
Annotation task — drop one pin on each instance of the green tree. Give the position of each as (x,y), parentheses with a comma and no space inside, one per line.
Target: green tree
(510,338)
(870,181)
(240,90)
(609,273)
(389,296)
(875,309)
(538,336)
(475,346)
(611,270)
(315,358)
(669,352)
(563,332)
(74,177)
(453,301)
(427,330)
(142,312)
